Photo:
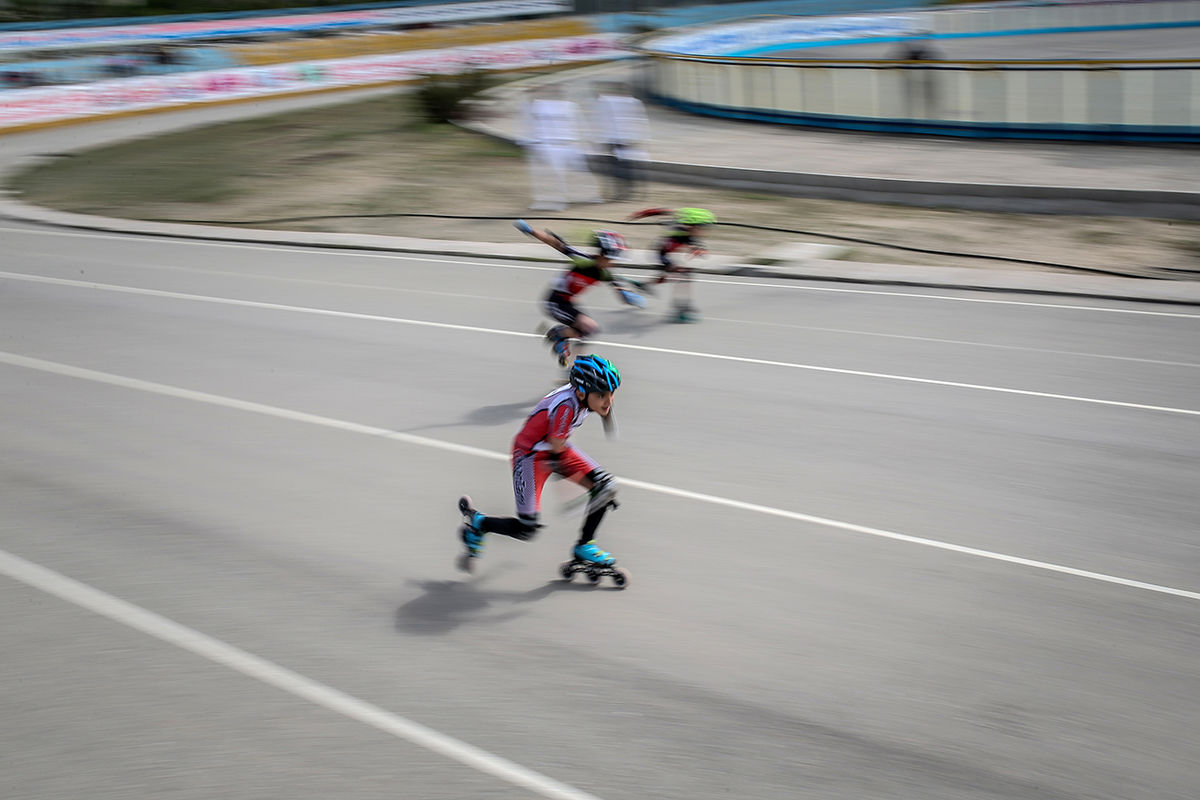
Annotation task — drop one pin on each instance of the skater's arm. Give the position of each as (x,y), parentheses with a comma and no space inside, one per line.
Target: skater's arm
(648,212)
(545,237)
(554,240)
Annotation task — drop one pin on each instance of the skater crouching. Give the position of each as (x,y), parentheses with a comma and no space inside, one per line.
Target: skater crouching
(585,270)
(542,448)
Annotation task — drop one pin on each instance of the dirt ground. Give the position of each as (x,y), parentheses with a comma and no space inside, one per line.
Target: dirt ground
(359,166)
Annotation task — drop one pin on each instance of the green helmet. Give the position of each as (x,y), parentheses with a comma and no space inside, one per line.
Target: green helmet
(695,216)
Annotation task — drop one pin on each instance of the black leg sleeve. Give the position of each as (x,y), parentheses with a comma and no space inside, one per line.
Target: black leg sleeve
(515,527)
(591,523)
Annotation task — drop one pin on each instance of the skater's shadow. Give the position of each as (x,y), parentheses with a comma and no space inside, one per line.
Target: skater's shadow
(446,605)
(487,416)
(633,324)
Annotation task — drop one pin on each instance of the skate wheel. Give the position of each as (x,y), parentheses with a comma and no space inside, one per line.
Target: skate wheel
(593,577)
(620,578)
(465,563)
(566,570)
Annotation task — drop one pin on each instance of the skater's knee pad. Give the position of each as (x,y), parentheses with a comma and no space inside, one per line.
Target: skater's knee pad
(603,492)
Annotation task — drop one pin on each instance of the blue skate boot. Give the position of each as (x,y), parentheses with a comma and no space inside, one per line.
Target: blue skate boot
(559,344)
(563,350)
(472,534)
(595,564)
(590,553)
(685,314)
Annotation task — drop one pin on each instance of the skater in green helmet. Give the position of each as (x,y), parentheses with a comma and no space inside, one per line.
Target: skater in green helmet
(684,232)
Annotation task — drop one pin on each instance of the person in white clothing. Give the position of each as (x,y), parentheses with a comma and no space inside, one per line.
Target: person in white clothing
(557,163)
(622,132)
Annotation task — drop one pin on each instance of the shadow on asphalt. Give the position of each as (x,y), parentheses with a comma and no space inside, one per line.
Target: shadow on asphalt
(446,605)
(487,416)
(633,324)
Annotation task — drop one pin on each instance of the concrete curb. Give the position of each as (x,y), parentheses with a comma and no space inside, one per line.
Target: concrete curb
(1028,282)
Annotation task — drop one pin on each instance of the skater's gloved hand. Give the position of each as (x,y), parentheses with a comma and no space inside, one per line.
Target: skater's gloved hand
(524,227)
(554,461)
(632,298)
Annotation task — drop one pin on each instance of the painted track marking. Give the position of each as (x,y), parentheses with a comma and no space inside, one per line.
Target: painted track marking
(621,345)
(67,370)
(500,263)
(374,287)
(272,674)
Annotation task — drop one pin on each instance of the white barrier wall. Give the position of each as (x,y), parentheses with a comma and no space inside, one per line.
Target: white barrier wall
(1146,99)
(1122,100)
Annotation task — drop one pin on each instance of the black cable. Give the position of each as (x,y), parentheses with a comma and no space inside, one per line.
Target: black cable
(834,237)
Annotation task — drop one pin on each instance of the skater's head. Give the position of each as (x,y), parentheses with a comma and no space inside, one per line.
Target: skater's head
(610,246)
(695,220)
(595,379)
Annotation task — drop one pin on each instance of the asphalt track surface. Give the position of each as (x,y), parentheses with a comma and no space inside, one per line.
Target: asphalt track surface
(884,543)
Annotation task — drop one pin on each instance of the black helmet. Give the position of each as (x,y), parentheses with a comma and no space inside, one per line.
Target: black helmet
(609,243)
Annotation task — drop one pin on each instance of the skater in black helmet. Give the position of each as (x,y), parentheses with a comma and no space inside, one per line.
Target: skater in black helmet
(585,270)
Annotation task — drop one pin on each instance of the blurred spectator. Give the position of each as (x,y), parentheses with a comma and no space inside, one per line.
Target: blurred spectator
(162,56)
(920,91)
(15,79)
(622,131)
(920,48)
(557,163)
(121,65)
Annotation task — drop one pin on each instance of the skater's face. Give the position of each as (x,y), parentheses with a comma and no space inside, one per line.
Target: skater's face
(600,402)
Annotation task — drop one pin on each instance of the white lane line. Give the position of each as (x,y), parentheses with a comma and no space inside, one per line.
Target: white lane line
(903,378)
(282,678)
(525,301)
(904,537)
(622,345)
(992,301)
(422,441)
(499,263)
(959,342)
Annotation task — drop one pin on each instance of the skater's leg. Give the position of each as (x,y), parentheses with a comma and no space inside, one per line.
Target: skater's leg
(572,324)
(520,527)
(602,493)
(529,476)
(683,311)
(584,327)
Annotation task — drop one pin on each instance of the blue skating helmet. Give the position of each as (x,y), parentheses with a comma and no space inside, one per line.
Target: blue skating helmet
(594,374)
